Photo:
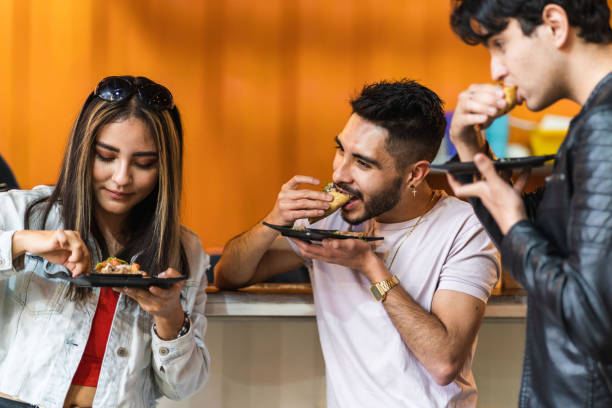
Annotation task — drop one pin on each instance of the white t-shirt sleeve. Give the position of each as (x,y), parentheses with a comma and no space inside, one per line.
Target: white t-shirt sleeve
(472,265)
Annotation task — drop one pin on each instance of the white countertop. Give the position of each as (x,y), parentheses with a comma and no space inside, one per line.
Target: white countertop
(257,304)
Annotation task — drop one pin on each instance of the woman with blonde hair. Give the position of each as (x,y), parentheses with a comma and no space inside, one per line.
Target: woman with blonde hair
(118,195)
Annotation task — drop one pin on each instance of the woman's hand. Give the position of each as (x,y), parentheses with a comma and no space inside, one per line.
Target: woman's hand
(163,304)
(60,247)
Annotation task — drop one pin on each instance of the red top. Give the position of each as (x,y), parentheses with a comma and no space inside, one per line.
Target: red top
(89,368)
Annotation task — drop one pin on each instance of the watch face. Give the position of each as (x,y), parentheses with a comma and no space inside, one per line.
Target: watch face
(377,295)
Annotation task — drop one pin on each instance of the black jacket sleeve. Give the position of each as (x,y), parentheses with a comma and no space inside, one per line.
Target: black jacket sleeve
(530,200)
(575,288)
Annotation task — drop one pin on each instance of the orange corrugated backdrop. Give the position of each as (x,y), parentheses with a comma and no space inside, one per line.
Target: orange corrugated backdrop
(262,85)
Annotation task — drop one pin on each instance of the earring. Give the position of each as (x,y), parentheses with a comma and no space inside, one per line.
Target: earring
(413,190)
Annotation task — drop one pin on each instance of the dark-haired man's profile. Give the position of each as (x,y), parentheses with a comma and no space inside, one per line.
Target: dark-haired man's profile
(397,322)
(557,242)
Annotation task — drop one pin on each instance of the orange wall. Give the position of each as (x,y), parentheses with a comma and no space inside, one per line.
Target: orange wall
(262,86)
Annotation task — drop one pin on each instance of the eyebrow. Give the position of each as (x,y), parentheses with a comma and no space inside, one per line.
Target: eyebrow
(360,156)
(114,149)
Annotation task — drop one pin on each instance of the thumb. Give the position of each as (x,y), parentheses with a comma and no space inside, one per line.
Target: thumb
(485,166)
(521,181)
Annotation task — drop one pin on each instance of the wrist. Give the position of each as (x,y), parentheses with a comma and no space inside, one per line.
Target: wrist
(270,219)
(169,328)
(273,218)
(18,244)
(511,223)
(264,232)
(375,269)
(380,289)
(468,149)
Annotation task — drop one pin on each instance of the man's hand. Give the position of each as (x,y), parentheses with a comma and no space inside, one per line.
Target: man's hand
(478,105)
(163,304)
(501,199)
(261,252)
(293,204)
(354,254)
(60,247)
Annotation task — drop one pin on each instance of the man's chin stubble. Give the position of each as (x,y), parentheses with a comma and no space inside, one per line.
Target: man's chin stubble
(356,221)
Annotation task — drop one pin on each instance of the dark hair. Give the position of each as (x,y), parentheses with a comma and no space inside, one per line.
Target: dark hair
(412,114)
(153,226)
(591,17)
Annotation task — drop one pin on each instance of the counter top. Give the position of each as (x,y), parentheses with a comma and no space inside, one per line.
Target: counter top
(295,300)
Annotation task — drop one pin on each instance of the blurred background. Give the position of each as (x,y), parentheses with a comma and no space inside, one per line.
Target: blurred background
(263,87)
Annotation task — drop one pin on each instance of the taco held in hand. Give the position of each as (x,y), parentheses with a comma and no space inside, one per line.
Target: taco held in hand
(510,97)
(339,200)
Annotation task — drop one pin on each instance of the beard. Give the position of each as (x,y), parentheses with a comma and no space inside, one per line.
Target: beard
(378,204)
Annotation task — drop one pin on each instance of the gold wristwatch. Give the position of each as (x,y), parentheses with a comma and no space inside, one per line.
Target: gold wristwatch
(380,289)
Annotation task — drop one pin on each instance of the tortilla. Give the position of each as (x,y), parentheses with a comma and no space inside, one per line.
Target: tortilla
(114,265)
(510,96)
(339,200)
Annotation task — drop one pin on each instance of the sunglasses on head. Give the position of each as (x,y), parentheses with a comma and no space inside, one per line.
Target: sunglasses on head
(119,88)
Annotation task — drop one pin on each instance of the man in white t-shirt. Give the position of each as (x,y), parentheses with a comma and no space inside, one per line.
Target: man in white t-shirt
(397,320)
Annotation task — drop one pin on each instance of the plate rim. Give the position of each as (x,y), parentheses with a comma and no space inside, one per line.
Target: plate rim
(133,282)
(284,228)
(503,163)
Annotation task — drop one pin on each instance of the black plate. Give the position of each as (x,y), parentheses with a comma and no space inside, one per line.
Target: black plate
(313,234)
(466,168)
(118,280)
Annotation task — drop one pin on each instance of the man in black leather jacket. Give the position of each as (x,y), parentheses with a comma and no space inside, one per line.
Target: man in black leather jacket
(557,242)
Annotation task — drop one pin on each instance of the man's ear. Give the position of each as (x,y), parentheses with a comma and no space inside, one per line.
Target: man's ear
(554,19)
(417,173)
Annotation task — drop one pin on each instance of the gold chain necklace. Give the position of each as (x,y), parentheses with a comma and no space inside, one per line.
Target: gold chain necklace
(434,194)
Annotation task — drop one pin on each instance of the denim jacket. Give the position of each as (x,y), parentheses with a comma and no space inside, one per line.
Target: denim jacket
(43,334)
